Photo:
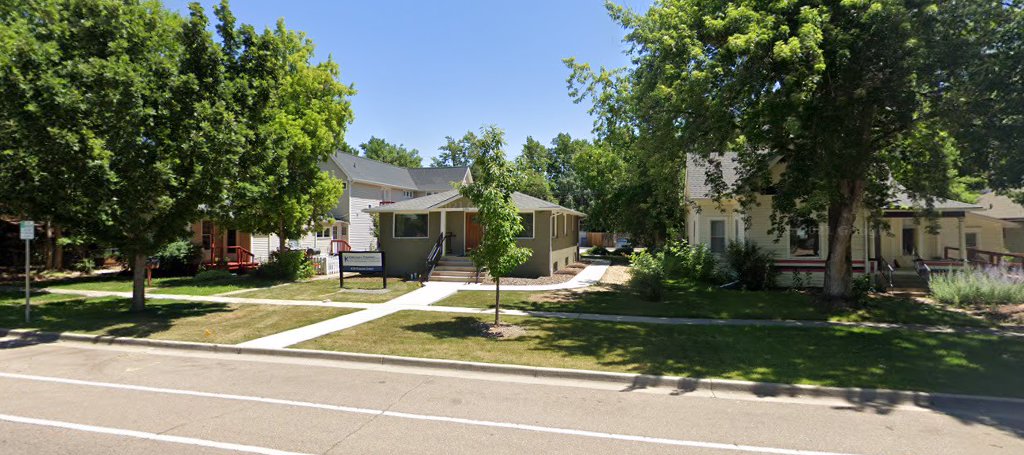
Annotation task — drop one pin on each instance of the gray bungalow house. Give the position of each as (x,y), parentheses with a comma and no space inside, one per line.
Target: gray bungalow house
(410,230)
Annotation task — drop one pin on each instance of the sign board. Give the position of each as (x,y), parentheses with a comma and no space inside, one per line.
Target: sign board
(28,230)
(362,261)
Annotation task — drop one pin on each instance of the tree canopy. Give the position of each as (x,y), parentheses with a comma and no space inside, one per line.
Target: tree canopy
(491,192)
(848,95)
(378,149)
(120,136)
(295,113)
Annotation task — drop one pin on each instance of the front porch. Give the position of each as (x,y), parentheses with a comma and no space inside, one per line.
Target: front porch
(224,248)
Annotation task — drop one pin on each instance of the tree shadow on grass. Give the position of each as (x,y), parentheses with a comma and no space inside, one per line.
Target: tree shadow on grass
(105,316)
(844,357)
(457,327)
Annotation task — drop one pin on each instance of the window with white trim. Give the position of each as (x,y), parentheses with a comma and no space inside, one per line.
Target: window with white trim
(554,226)
(717,236)
(411,225)
(971,239)
(804,240)
(324,234)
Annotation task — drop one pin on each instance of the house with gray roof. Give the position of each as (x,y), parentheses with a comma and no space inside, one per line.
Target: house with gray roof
(1000,206)
(965,231)
(411,229)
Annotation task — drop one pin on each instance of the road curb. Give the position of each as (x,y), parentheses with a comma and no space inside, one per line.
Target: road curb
(683,385)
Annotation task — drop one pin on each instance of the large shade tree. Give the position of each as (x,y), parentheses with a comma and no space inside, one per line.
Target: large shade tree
(294,113)
(378,149)
(113,120)
(848,94)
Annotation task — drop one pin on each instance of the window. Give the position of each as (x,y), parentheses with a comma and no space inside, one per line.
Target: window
(326,233)
(804,240)
(526,219)
(207,235)
(909,242)
(717,236)
(339,232)
(344,185)
(740,230)
(232,237)
(410,225)
(408,194)
(972,239)
(554,226)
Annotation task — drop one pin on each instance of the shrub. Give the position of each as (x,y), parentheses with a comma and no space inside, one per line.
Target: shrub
(598,251)
(212,275)
(751,265)
(179,258)
(623,251)
(695,263)
(86,265)
(862,286)
(978,286)
(647,274)
(287,265)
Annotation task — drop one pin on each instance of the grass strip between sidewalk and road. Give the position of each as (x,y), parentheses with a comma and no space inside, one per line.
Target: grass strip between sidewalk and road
(162,319)
(167,285)
(840,356)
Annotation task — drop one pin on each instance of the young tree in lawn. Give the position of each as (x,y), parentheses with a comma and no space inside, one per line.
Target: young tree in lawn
(381,150)
(295,115)
(115,121)
(846,94)
(491,192)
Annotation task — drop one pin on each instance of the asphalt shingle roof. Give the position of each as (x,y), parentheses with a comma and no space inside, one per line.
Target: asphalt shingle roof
(999,206)
(697,187)
(522,201)
(366,170)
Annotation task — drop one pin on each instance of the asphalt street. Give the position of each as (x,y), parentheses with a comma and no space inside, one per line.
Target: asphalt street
(76,398)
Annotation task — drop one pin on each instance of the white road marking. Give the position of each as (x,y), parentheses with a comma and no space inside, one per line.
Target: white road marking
(425,417)
(145,435)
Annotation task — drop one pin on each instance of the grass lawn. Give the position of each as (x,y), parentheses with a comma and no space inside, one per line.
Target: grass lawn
(170,285)
(163,319)
(692,301)
(975,364)
(328,289)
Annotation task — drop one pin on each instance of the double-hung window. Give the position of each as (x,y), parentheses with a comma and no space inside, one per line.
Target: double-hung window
(526,220)
(717,236)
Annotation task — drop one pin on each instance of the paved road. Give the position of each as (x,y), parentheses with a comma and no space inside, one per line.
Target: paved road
(71,398)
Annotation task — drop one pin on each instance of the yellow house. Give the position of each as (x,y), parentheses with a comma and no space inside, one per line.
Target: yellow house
(905,247)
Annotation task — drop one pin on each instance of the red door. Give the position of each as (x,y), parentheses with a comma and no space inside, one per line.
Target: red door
(474,231)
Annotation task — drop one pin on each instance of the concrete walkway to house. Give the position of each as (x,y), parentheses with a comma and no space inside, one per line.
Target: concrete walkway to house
(588,276)
(422,297)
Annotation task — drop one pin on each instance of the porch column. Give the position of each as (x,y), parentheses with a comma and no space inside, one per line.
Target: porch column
(444,229)
(963,239)
(696,228)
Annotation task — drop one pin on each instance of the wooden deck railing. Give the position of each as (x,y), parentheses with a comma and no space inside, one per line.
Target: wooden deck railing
(337,246)
(985,257)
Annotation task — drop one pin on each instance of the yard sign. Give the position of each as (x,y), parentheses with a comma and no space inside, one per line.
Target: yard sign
(362,262)
(28,232)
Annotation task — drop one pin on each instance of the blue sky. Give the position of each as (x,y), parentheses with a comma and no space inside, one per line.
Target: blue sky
(429,69)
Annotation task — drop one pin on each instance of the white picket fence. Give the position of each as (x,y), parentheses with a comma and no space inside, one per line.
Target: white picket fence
(326,264)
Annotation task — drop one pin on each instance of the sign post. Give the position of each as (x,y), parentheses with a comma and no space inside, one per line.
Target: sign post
(28,232)
(362,261)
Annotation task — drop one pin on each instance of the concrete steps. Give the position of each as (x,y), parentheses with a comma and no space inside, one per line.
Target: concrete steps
(454,269)
(908,281)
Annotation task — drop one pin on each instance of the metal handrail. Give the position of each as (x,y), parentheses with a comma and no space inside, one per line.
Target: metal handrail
(887,272)
(923,270)
(435,255)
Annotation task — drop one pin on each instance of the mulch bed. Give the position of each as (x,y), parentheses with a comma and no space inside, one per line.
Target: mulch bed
(501,331)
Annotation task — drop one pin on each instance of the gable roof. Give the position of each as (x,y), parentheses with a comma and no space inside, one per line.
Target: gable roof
(365,170)
(522,201)
(1000,206)
(697,187)
(696,175)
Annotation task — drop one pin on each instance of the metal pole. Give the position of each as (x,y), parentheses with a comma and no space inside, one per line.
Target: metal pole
(28,301)
(341,269)
(383,270)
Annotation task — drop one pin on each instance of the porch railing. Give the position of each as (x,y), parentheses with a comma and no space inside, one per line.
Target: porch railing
(885,271)
(242,255)
(337,246)
(985,257)
(436,252)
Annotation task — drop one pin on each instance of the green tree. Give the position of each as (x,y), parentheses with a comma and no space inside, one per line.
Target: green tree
(381,150)
(561,173)
(491,192)
(114,120)
(531,167)
(535,156)
(847,94)
(295,115)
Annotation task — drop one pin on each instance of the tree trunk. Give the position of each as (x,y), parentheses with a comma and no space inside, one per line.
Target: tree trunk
(842,215)
(58,252)
(497,300)
(48,246)
(139,282)
(282,241)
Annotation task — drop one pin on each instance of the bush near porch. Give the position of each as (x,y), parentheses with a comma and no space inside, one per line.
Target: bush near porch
(986,286)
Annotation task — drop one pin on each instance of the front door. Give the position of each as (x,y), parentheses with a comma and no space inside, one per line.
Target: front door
(474,231)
